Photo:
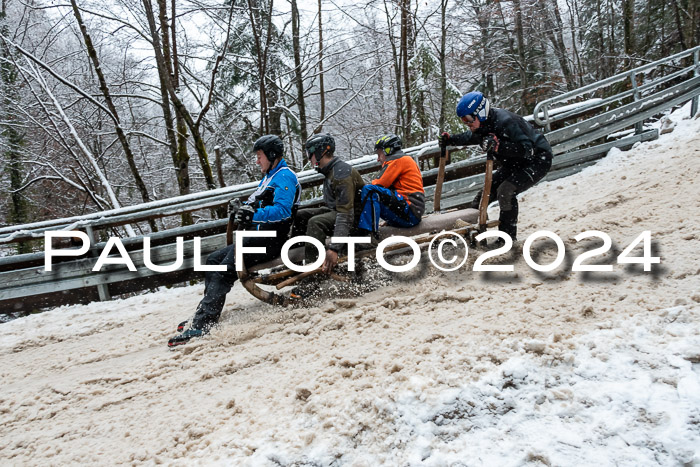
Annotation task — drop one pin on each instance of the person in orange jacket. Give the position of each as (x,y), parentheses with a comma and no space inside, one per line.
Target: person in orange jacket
(397,195)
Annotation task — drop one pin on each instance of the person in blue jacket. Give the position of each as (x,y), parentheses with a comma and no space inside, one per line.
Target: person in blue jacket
(271,207)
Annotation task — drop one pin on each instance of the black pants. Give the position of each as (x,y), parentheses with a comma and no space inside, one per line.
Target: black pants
(508,181)
(318,223)
(218,283)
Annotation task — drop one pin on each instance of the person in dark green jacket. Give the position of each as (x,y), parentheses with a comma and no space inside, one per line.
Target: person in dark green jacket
(341,194)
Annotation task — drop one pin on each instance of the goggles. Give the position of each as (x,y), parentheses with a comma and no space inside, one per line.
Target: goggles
(311,151)
(468,119)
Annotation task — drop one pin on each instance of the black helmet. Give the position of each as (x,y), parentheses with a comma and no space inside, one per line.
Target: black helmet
(388,143)
(319,145)
(271,145)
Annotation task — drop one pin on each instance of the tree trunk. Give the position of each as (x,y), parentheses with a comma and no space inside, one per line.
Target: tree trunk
(484,27)
(664,48)
(177,103)
(297,72)
(564,61)
(178,137)
(405,28)
(443,72)
(397,70)
(19,208)
(183,156)
(180,164)
(219,168)
(573,15)
(322,90)
(524,84)
(261,59)
(556,37)
(601,64)
(262,93)
(275,112)
(694,11)
(628,28)
(679,24)
(611,41)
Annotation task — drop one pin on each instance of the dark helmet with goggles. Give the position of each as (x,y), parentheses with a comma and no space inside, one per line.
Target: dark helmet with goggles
(389,144)
(319,146)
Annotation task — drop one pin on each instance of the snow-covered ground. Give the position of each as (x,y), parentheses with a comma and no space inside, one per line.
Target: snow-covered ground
(502,368)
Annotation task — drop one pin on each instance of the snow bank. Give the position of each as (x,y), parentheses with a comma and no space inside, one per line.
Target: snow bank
(454,368)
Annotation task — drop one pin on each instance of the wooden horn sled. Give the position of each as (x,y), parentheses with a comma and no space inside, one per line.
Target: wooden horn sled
(464,222)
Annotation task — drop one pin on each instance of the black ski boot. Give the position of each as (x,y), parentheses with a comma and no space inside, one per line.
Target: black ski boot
(186,336)
(181,326)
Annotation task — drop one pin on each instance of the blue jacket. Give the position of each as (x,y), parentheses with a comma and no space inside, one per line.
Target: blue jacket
(276,199)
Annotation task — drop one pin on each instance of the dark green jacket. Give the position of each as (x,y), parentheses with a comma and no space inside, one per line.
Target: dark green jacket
(342,190)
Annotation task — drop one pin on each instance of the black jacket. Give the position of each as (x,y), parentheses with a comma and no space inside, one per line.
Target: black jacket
(519,143)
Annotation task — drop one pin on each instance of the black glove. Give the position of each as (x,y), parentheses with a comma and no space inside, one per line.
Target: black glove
(476,202)
(489,143)
(444,139)
(244,216)
(266,198)
(233,206)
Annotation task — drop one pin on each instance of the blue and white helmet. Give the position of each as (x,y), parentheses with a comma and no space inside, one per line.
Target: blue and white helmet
(475,104)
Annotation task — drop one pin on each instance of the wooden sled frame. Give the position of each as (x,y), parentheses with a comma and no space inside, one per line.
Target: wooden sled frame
(434,225)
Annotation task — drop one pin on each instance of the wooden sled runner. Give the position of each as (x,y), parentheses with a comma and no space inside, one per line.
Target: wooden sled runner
(463,222)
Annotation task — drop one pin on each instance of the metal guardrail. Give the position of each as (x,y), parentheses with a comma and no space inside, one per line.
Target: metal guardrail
(543,110)
(575,135)
(25,285)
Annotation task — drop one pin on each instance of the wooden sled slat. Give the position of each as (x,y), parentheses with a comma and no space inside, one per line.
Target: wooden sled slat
(429,224)
(432,224)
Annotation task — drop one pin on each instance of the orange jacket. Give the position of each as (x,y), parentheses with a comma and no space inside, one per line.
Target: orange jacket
(401,173)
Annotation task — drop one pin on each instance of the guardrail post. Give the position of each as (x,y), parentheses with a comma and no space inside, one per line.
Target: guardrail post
(694,102)
(102,289)
(547,126)
(639,126)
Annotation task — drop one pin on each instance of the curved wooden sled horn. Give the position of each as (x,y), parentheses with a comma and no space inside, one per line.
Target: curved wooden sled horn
(261,294)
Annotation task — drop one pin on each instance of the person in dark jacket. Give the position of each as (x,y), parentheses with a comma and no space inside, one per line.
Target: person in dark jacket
(397,194)
(524,154)
(270,207)
(341,195)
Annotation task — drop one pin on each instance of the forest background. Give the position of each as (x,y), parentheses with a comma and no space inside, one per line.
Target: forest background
(109,104)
